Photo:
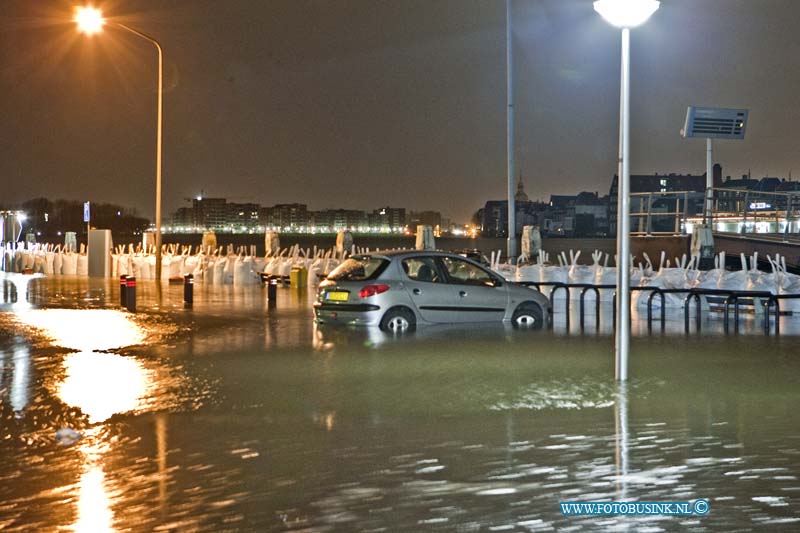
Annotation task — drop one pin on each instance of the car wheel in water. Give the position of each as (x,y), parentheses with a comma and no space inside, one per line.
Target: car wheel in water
(528,316)
(398,320)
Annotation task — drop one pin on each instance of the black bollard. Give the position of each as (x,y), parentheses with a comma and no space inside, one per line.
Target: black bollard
(272,291)
(123,291)
(188,290)
(131,294)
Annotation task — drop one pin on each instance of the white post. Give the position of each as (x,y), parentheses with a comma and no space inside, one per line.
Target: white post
(623,332)
(158,141)
(158,161)
(709,179)
(512,210)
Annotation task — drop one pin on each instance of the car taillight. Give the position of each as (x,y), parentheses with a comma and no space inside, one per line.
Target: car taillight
(372,290)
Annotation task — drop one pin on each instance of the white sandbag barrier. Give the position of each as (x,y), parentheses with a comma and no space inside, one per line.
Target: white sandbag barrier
(218,266)
(670,274)
(243,267)
(41,258)
(224,265)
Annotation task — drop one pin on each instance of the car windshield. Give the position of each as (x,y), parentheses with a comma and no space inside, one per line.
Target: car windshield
(359,269)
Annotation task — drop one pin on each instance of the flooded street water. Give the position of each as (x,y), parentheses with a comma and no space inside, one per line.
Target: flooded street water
(235,415)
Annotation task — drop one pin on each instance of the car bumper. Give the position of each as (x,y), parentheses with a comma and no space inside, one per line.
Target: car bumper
(353,314)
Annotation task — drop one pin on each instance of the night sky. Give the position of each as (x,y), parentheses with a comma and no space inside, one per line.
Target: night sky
(364,103)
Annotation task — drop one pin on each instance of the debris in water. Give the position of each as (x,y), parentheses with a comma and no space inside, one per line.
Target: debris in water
(67,437)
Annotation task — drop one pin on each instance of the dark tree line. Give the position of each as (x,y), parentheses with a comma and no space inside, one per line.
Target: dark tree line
(49,219)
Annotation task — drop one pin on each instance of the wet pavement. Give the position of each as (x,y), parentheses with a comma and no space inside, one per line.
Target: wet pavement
(235,415)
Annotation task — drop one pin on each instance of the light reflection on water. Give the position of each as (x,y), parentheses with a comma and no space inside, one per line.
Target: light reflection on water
(94,512)
(103,384)
(85,329)
(100,385)
(20,393)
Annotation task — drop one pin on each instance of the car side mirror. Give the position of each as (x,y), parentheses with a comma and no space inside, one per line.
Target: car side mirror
(496,282)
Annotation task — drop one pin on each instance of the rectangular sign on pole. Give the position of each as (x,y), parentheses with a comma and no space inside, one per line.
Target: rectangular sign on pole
(715,123)
(86,211)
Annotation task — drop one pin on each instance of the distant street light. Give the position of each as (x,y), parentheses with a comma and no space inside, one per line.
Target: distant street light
(90,21)
(624,14)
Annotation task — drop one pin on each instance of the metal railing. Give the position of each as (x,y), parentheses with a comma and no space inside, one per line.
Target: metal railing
(745,211)
(729,299)
(739,211)
(663,213)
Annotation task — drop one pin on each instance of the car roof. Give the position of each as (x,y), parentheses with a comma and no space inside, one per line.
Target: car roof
(407,253)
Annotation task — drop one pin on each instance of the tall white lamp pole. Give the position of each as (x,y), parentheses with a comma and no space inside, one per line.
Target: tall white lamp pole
(624,14)
(90,21)
(512,209)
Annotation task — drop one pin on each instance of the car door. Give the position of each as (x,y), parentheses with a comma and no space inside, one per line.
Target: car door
(427,287)
(479,294)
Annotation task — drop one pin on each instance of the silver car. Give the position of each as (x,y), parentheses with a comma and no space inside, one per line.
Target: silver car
(398,290)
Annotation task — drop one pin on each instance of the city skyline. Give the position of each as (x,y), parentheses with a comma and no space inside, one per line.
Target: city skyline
(369,103)
(489,218)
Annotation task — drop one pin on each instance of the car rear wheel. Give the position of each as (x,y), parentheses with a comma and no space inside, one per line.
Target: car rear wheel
(398,320)
(528,316)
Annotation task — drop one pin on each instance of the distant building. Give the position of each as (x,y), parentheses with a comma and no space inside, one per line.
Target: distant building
(220,215)
(745,183)
(493,218)
(789,186)
(662,183)
(184,217)
(735,193)
(768,184)
(336,219)
(560,217)
(210,213)
(426,218)
(243,216)
(388,217)
(285,216)
(591,215)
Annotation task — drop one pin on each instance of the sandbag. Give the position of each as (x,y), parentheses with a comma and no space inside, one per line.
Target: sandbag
(70,264)
(82,265)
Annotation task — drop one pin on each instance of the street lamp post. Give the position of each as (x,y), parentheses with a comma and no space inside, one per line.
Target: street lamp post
(512,208)
(90,21)
(624,14)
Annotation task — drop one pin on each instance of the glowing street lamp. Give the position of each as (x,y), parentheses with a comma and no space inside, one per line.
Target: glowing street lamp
(624,14)
(90,21)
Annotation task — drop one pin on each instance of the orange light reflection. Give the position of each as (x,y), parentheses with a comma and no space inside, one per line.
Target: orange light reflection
(94,505)
(103,384)
(85,329)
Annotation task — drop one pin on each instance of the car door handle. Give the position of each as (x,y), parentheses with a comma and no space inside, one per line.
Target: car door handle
(417,291)
(462,293)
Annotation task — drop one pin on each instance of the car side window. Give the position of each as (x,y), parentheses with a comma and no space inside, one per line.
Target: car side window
(421,269)
(464,273)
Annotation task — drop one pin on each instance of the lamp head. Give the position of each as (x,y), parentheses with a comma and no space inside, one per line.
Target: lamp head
(626,13)
(89,19)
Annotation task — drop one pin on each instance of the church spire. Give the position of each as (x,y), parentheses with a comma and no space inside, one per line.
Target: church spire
(520,196)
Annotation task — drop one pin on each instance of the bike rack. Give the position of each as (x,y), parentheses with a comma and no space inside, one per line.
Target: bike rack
(731,298)
(596,305)
(653,294)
